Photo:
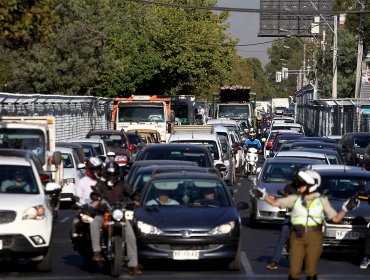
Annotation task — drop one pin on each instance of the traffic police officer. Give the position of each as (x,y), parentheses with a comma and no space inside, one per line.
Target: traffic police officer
(309,208)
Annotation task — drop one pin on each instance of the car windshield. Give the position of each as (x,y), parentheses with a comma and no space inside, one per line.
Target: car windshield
(211,145)
(186,155)
(24,139)
(280,171)
(342,187)
(233,111)
(130,113)
(186,192)
(17,179)
(67,160)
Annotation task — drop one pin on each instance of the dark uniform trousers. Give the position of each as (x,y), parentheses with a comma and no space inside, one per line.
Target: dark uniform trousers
(307,248)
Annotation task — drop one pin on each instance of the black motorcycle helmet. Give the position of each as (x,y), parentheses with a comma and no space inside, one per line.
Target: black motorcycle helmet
(93,167)
(112,173)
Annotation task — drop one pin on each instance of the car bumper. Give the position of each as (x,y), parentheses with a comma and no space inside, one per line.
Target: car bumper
(344,238)
(267,213)
(17,246)
(201,248)
(68,192)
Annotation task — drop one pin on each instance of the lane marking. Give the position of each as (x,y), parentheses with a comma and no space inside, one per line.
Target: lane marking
(247,265)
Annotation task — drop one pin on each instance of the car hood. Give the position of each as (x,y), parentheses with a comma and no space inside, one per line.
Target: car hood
(186,217)
(361,211)
(19,202)
(272,188)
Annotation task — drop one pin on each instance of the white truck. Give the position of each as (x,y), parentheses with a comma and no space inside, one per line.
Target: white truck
(36,134)
(278,105)
(143,111)
(234,103)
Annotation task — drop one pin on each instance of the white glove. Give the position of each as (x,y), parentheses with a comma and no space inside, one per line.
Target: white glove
(260,193)
(350,204)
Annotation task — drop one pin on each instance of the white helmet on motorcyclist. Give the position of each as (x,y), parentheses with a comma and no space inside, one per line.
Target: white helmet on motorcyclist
(252,135)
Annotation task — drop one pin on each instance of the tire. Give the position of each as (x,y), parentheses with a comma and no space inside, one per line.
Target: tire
(235,264)
(46,264)
(116,265)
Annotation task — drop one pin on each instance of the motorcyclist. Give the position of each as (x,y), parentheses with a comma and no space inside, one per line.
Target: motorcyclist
(93,167)
(113,189)
(252,141)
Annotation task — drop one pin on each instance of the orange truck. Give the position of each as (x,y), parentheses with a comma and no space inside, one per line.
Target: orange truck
(143,112)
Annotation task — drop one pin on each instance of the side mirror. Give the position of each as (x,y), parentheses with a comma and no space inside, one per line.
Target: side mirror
(57,158)
(80,166)
(102,157)
(52,187)
(220,167)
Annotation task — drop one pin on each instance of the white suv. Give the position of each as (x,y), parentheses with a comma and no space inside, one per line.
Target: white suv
(26,217)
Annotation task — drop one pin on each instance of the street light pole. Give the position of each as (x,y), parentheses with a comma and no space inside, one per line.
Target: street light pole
(335,56)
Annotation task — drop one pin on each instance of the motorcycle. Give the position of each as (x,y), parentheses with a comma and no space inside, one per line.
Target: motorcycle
(112,237)
(251,159)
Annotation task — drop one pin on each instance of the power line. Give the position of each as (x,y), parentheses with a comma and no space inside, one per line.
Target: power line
(254,44)
(247,10)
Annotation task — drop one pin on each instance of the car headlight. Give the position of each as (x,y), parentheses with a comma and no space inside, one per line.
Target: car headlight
(360,156)
(117,214)
(69,181)
(223,229)
(34,213)
(148,229)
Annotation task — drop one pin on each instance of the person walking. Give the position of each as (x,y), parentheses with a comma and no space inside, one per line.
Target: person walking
(309,208)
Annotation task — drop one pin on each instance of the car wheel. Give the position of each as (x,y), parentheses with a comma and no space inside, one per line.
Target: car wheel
(235,264)
(46,264)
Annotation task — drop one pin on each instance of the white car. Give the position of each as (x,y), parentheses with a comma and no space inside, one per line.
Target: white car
(25,212)
(74,170)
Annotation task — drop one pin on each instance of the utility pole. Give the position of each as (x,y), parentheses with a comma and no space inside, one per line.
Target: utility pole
(360,51)
(335,56)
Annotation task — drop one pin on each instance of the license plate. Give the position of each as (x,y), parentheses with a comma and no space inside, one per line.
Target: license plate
(1,244)
(351,235)
(185,255)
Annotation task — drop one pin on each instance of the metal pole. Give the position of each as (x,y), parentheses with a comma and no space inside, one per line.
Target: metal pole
(335,54)
(360,51)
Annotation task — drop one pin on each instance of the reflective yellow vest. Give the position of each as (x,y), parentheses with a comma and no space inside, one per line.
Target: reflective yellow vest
(313,215)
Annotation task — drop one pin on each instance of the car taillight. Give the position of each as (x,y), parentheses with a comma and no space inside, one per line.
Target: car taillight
(269,144)
(132,148)
(45,178)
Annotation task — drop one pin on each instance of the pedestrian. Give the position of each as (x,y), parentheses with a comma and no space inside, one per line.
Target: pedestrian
(366,260)
(284,231)
(309,208)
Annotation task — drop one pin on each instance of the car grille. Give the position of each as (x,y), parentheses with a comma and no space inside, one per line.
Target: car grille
(354,221)
(7,216)
(185,247)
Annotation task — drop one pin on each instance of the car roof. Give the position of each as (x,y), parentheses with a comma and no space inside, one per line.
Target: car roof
(64,149)
(286,124)
(142,163)
(190,175)
(290,159)
(190,136)
(300,154)
(174,146)
(339,169)
(105,131)
(313,142)
(86,140)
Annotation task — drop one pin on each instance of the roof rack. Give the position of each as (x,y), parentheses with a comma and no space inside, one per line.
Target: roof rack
(193,129)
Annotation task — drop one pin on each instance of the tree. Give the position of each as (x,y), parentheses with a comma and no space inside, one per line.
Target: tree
(24,22)
(347,60)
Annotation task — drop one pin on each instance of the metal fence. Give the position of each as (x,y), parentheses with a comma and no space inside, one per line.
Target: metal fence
(75,115)
(331,116)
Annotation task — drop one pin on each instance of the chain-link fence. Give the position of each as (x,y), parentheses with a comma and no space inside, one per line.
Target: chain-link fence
(331,116)
(75,115)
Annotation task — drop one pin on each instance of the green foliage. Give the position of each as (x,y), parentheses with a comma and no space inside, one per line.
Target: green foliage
(114,48)
(24,22)
(347,60)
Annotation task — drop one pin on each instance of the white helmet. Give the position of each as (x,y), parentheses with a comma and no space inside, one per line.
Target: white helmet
(311,178)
